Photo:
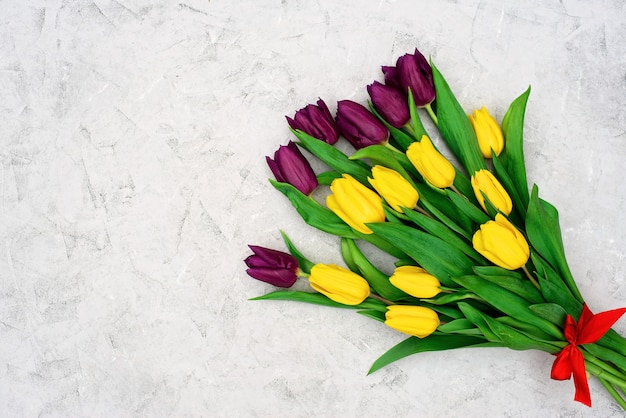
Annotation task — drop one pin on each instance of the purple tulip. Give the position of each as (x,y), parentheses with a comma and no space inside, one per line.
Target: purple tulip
(271,266)
(414,71)
(290,166)
(390,103)
(391,77)
(359,126)
(316,121)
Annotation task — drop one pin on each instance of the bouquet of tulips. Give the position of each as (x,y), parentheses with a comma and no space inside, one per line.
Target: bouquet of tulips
(478,259)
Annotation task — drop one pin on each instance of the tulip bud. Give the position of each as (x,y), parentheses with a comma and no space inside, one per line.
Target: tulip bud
(359,126)
(316,121)
(271,266)
(290,166)
(394,188)
(339,284)
(483,182)
(391,77)
(488,132)
(418,321)
(431,164)
(413,71)
(355,203)
(501,243)
(415,281)
(390,103)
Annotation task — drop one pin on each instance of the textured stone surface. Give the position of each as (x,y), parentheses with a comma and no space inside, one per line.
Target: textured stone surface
(132,177)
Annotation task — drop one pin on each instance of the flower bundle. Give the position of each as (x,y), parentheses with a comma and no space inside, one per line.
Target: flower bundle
(478,259)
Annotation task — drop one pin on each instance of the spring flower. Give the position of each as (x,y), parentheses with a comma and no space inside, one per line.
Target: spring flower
(339,284)
(355,203)
(431,164)
(413,71)
(391,77)
(488,132)
(415,281)
(394,188)
(501,243)
(359,126)
(413,320)
(390,103)
(316,121)
(290,166)
(272,266)
(483,181)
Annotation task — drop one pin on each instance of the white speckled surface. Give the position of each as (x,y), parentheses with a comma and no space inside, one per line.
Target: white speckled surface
(132,177)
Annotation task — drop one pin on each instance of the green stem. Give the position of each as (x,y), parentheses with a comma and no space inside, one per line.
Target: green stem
(390,147)
(531,278)
(601,373)
(618,398)
(432,115)
(380,298)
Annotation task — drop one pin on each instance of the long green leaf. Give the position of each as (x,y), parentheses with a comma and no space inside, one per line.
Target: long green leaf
(512,156)
(414,345)
(544,234)
(334,158)
(507,302)
(320,299)
(511,281)
(439,258)
(455,127)
(303,262)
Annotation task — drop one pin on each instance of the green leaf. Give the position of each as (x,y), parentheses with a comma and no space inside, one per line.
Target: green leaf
(414,345)
(320,299)
(512,157)
(374,314)
(334,158)
(438,204)
(516,340)
(378,280)
(511,281)
(439,258)
(448,298)
(544,234)
(476,317)
(467,208)
(312,212)
(507,302)
(502,175)
(416,122)
(553,287)
(327,177)
(440,230)
(303,262)
(455,127)
(460,326)
(551,311)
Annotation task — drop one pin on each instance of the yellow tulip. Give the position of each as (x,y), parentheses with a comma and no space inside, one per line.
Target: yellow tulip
(430,163)
(501,243)
(488,132)
(355,203)
(415,281)
(413,320)
(394,188)
(485,182)
(339,284)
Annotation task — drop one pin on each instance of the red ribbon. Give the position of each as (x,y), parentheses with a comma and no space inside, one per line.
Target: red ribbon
(589,329)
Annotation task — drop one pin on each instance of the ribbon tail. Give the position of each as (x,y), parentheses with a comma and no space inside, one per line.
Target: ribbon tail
(562,366)
(580,377)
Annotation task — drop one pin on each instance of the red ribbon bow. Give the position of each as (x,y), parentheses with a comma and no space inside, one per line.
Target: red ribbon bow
(589,329)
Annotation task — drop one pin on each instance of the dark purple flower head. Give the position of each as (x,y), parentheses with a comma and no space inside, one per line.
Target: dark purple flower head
(359,126)
(316,121)
(290,166)
(413,71)
(391,77)
(272,266)
(390,103)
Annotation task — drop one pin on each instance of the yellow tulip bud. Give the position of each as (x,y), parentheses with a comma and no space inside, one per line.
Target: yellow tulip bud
(501,243)
(355,203)
(413,320)
(339,284)
(488,132)
(485,182)
(415,281)
(394,188)
(430,163)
